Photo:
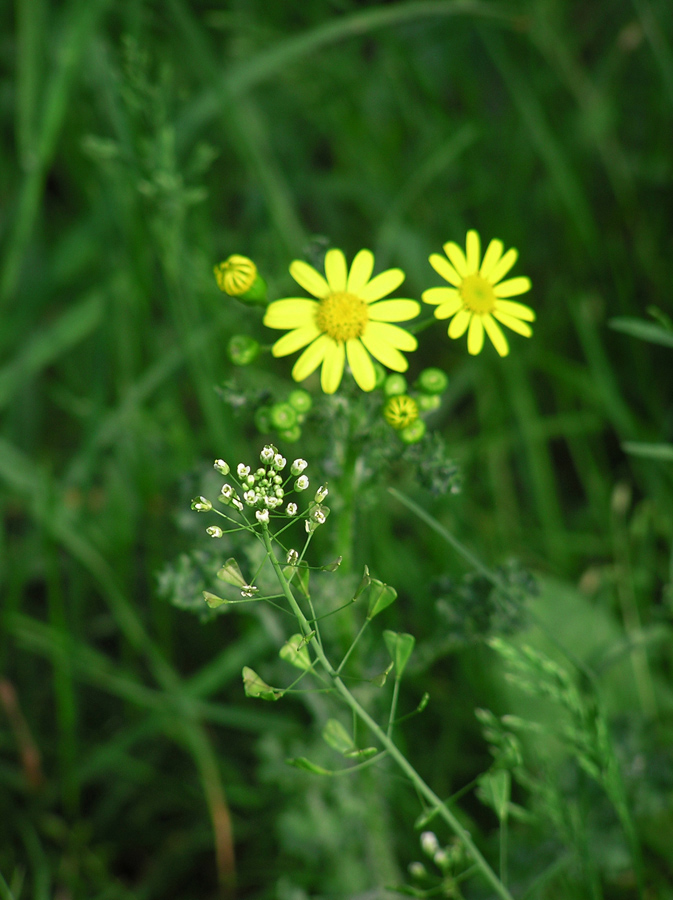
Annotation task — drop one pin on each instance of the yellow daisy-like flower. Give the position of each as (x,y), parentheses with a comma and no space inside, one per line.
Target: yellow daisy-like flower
(348,320)
(479,296)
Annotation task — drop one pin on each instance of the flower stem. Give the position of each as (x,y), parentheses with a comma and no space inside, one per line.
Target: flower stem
(382,737)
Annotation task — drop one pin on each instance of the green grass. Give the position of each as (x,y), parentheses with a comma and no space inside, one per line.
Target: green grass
(142,143)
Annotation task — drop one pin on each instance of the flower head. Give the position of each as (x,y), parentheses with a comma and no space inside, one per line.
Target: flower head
(235,275)
(348,320)
(479,296)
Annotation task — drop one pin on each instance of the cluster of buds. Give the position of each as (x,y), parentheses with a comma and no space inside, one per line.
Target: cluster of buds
(402,410)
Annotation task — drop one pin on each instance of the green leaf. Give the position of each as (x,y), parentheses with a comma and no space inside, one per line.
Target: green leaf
(337,737)
(495,791)
(649,451)
(380,680)
(380,596)
(213,600)
(255,686)
(332,567)
(643,330)
(300,762)
(364,753)
(295,651)
(400,647)
(231,573)
(364,583)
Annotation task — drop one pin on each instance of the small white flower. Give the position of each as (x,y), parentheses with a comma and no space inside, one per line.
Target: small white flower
(250,498)
(237,503)
(291,509)
(301,483)
(242,471)
(429,843)
(227,491)
(214,531)
(262,516)
(267,454)
(321,493)
(310,526)
(279,462)
(249,590)
(318,515)
(221,466)
(201,504)
(441,858)
(298,466)
(292,557)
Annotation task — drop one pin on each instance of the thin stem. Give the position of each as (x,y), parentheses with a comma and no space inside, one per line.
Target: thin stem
(393,707)
(352,646)
(383,738)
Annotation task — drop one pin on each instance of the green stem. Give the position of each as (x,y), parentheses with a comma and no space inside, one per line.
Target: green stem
(393,706)
(352,646)
(382,737)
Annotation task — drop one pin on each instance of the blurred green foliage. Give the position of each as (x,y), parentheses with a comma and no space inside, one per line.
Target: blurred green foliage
(140,144)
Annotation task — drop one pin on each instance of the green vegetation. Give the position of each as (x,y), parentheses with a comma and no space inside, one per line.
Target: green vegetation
(511,636)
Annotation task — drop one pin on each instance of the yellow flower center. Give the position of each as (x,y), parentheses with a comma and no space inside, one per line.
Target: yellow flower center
(342,316)
(477,294)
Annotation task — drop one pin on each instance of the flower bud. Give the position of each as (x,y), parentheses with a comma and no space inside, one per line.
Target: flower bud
(243,349)
(214,531)
(428,402)
(267,454)
(202,504)
(290,435)
(413,433)
(283,416)
(298,466)
(394,385)
(221,466)
(432,381)
(429,843)
(300,400)
(321,493)
(400,411)
(238,277)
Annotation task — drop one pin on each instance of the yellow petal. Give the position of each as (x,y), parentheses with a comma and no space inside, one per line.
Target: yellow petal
(513,323)
(459,323)
(309,279)
(332,367)
(473,247)
(475,336)
(503,266)
(311,358)
(491,257)
(335,270)
(498,339)
(519,310)
(385,353)
(292,341)
(443,267)
(449,308)
(512,287)
(391,334)
(394,310)
(361,365)
(438,295)
(381,285)
(361,271)
(457,257)
(293,312)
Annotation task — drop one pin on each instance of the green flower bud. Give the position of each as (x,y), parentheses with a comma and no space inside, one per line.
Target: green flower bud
(243,349)
(394,385)
(432,381)
(283,416)
(263,419)
(400,411)
(428,402)
(301,400)
(413,433)
(291,435)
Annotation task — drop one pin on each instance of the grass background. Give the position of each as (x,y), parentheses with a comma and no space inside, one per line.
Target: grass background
(140,144)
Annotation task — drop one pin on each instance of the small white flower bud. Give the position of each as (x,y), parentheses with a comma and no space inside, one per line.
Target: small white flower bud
(279,492)
(429,843)
(201,504)
(277,479)
(310,526)
(279,462)
(262,516)
(441,858)
(214,531)
(221,466)
(417,870)
(250,480)
(242,471)
(298,466)
(292,557)
(321,493)
(237,503)
(291,509)
(267,454)
(260,473)
(301,483)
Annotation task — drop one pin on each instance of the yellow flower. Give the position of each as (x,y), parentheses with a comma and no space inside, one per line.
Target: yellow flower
(400,411)
(478,296)
(236,275)
(344,322)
